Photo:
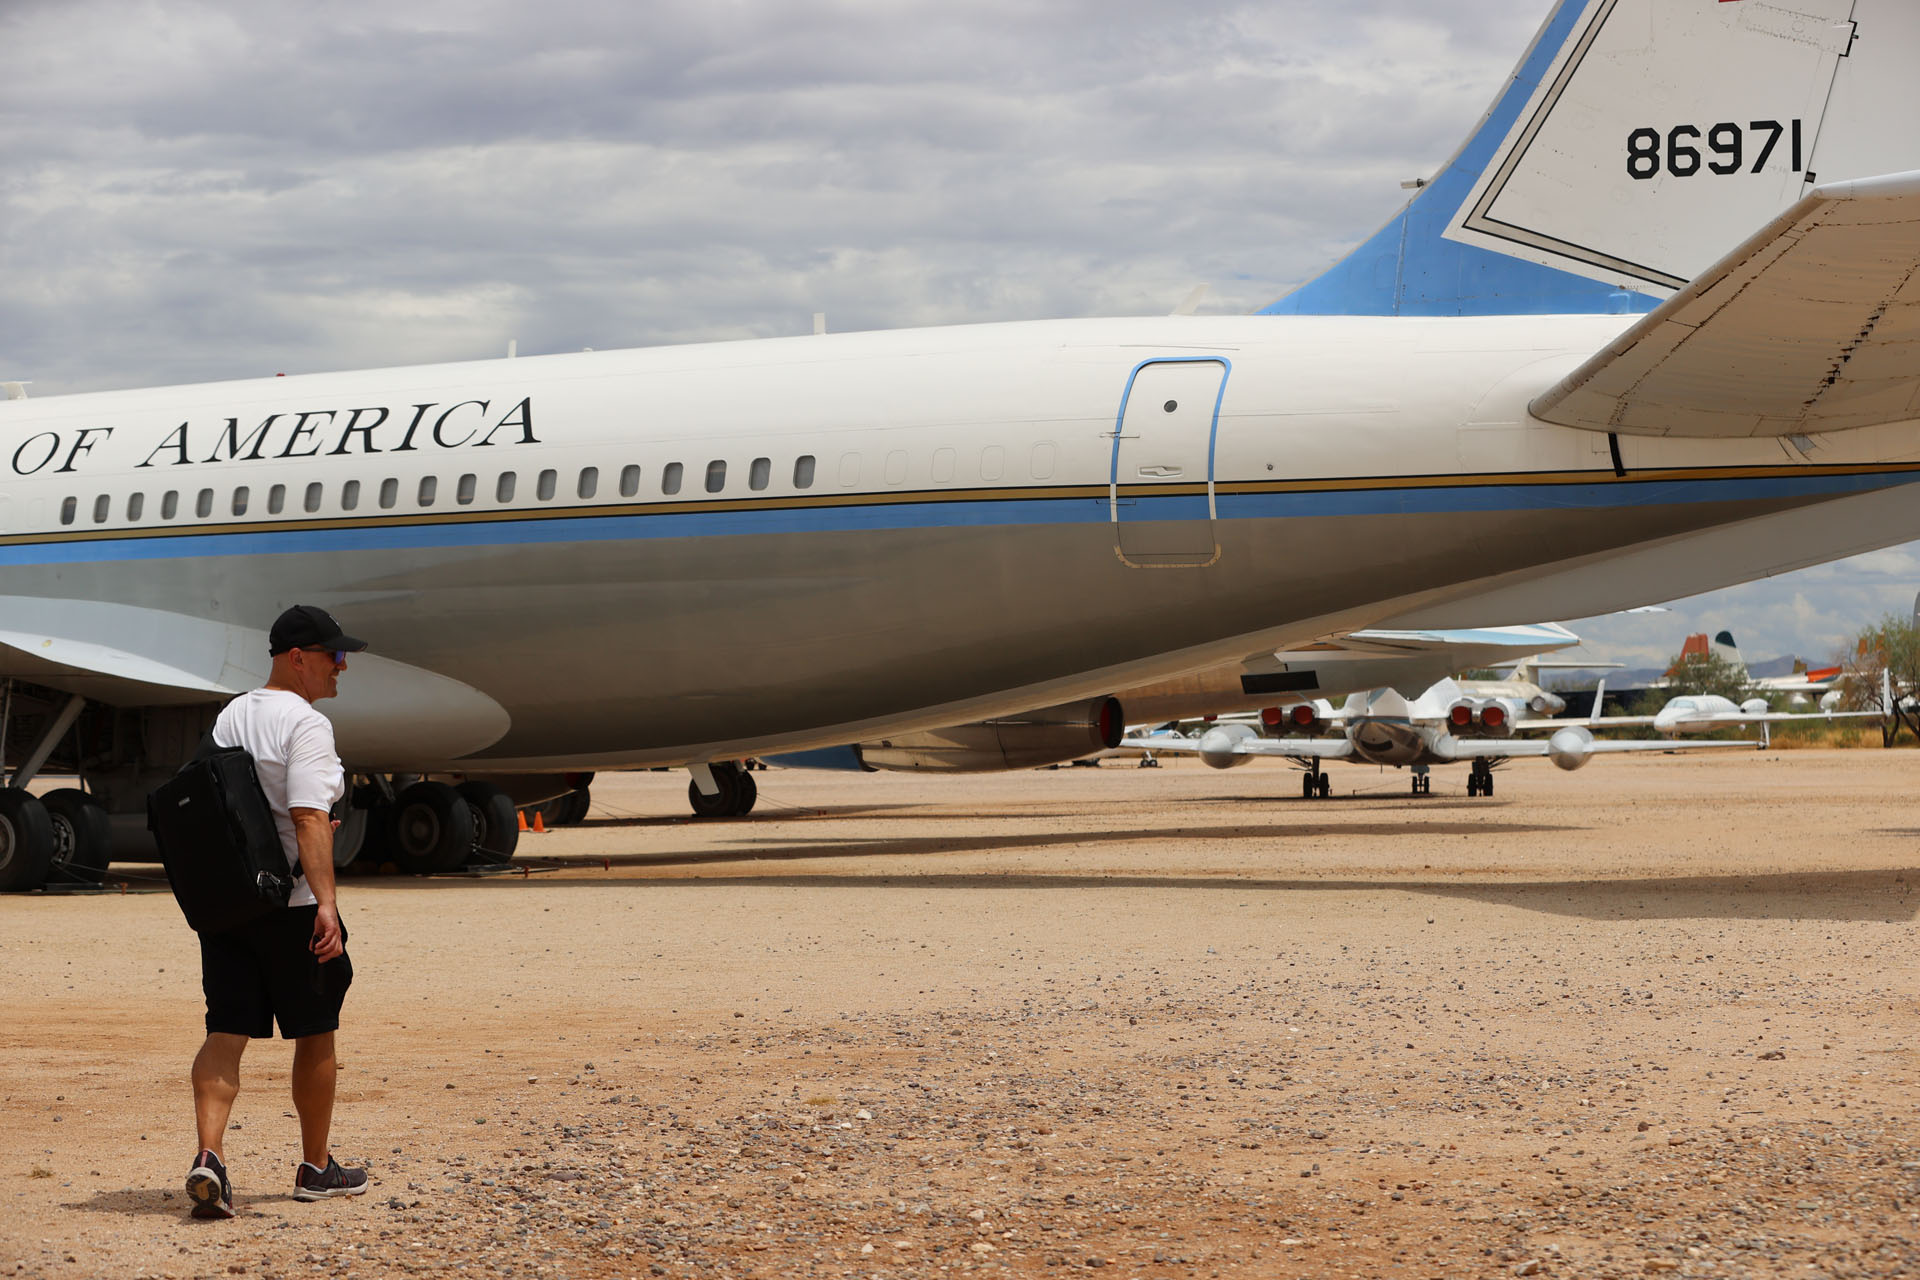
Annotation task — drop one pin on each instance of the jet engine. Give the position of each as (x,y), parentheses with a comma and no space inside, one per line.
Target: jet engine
(1479,718)
(1217,743)
(1050,735)
(1755,707)
(1301,718)
(1570,748)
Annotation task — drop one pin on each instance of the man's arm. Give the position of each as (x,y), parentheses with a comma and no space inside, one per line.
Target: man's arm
(313,831)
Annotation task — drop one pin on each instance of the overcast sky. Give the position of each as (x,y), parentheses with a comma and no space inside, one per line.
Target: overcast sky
(212,190)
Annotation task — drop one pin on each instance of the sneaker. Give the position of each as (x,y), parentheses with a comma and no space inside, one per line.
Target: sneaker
(208,1188)
(311,1182)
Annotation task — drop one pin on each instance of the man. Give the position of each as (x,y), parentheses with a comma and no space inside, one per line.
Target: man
(289,966)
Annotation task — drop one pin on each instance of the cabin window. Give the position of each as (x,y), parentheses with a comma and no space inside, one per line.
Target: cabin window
(136,505)
(349,495)
(468,486)
(1043,461)
(315,492)
(389,493)
(589,482)
(896,471)
(203,504)
(942,465)
(102,508)
(629,481)
(803,471)
(849,470)
(993,460)
(670,478)
(716,476)
(240,501)
(170,504)
(429,490)
(276,499)
(503,488)
(760,473)
(69,509)
(547,485)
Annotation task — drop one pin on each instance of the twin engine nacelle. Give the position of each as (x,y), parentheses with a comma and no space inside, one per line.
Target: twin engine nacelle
(1480,718)
(1301,719)
(1051,735)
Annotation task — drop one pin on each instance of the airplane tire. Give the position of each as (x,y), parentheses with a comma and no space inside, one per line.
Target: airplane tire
(1486,785)
(1306,786)
(26,841)
(1326,786)
(430,830)
(82,837)
(738,792)
(497,823)
(566,810)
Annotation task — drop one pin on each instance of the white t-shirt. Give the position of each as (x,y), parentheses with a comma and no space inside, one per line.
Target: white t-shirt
(292,748)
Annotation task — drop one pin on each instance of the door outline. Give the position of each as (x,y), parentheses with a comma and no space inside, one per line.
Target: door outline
(1213,438)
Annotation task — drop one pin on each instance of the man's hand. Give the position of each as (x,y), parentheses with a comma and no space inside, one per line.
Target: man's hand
(326,934)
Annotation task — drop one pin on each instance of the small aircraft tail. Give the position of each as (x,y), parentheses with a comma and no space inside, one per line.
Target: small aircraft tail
(1633,145)
(1728,652)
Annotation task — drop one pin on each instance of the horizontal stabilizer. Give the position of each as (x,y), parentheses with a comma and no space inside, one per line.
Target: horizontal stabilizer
(1811,325)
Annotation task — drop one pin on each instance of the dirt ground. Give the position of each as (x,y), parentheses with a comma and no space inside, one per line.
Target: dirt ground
(1654,1017)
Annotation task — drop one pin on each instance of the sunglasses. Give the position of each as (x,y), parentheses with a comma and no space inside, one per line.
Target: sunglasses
(339,656)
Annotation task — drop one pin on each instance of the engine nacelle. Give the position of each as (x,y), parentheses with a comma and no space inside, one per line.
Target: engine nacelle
(1480,718)
(1216,745)
(1050,735)
(1755,707)
(1301,718)
(1570,748)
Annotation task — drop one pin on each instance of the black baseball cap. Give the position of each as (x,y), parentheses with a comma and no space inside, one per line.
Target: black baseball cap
(308,626)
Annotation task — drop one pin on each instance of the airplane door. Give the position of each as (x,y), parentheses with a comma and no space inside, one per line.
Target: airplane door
(1162,485)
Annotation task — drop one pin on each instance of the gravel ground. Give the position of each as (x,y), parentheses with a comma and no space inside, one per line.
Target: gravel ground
(1655,1017)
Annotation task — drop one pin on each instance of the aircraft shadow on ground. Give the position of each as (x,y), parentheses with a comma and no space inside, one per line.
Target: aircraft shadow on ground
(1838,895)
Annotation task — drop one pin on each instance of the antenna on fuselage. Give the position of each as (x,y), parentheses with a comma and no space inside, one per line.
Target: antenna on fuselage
(819,322)
(513,347)
(15,390)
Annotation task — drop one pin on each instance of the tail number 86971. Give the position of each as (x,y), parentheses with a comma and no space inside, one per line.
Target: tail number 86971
(1727,149)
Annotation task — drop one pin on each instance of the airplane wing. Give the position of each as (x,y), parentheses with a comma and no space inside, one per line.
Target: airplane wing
(1497,748)
(1286,748)
(1811,325)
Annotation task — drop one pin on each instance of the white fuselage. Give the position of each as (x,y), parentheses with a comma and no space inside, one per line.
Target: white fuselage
(665,555)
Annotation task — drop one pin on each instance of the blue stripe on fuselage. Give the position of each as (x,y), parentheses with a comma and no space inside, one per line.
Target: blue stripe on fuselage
(1386,500)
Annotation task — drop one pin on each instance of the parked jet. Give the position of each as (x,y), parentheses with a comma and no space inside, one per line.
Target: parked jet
(1444,725)
(689,555)
(1708,712)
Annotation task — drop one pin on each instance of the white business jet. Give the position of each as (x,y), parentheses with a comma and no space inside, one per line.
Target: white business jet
(1648,332)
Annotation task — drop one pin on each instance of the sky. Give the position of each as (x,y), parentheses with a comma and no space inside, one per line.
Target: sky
(195,191)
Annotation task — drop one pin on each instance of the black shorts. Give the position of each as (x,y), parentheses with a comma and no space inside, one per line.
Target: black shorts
(264,971)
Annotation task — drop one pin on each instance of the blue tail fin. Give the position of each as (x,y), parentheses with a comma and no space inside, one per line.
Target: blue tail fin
(1636,142)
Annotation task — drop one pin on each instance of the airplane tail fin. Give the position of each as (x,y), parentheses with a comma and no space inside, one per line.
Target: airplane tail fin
(1634,143)
(1728,652)
(1599,701)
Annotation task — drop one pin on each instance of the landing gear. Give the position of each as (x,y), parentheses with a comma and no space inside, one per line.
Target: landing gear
(496,822)
(82,837)
(737,793)
(1422,781)
(26,841)
(1480,779)
(1315,785)
(431,829)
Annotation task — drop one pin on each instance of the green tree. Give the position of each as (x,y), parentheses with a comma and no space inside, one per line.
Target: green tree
(1891,645)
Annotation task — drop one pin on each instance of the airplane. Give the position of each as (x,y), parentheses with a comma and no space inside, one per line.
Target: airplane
(1643,335)
(1408,660)
(1445,724)
(1708,712)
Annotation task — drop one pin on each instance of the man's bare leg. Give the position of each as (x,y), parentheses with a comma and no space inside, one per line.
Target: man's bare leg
(216,1082)
(314,1073)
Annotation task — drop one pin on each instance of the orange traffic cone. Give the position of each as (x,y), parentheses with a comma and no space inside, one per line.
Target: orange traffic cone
(539,822)
(523,818)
